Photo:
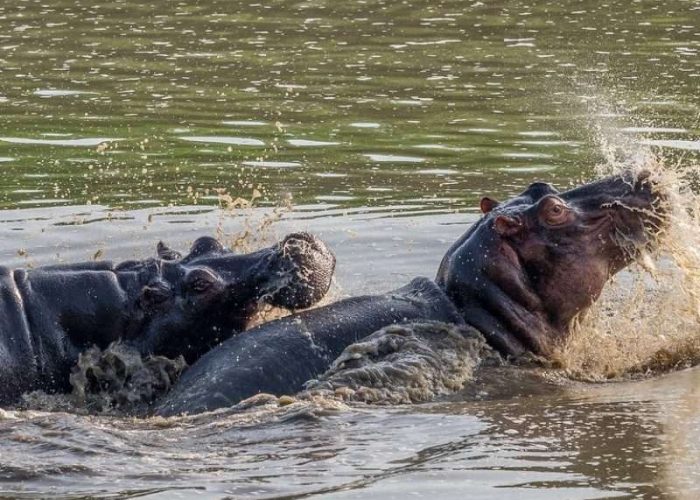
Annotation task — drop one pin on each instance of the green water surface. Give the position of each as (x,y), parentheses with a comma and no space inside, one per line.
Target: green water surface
(357,103)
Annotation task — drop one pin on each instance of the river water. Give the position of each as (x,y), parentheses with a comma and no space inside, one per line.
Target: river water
(380,123)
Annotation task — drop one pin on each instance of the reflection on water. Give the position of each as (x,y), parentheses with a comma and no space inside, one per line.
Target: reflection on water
(235,141)
(675,143)
(128,122)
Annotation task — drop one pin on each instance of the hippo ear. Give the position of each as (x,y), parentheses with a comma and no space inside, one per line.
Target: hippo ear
(166,253)
(507,226)
(205,245)
(154,294)
(487,204)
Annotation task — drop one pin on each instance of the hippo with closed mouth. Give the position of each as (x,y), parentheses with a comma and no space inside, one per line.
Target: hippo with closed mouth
(168,305)
(518,276)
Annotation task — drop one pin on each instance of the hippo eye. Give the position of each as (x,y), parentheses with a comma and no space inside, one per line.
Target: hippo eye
(200,280)
(555,212)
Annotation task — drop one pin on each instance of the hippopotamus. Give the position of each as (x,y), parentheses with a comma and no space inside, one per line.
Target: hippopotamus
(169,305)
(519,276)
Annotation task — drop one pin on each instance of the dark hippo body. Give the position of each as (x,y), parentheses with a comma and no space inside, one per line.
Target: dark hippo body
(167,305)
(518,276)
(279,356)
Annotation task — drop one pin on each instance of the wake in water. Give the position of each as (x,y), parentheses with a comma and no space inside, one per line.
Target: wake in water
(120,379)
(410,363)
(117,380)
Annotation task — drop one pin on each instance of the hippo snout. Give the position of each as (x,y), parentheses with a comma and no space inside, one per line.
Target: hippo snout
(652,186)
(303,268)
(648,203)
(646,186)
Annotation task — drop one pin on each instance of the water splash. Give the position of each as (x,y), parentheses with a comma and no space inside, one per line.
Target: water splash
(256,226)
(117,380)
(648,320)
(409,363)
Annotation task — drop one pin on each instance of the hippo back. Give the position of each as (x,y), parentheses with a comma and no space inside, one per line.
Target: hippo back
(280,356)
(18,364)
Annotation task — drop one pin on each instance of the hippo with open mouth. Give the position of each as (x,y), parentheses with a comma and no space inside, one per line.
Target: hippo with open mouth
(519,276)
(168,305)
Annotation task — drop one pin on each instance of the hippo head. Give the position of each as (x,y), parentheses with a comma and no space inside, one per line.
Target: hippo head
(530,265)
(196,301)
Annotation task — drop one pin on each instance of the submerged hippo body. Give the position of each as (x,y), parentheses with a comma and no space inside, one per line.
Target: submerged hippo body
(518,276)
(279,356)
(168,305)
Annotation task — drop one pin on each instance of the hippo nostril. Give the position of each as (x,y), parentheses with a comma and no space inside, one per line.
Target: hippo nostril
(303,248)
(655,193)
(643,175)
(301,236)
(644,183)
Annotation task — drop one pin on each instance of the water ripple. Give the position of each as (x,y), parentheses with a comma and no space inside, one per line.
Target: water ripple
(216,139)
(272,164)
(310,143)
(383,158)
(87,141)
(61,93)
(244,123)
(671,143)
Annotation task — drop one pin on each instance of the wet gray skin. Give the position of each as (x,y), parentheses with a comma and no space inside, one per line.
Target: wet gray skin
(165,305)
(518,276)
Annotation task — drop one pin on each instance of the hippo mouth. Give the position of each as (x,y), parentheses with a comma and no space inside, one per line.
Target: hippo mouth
(532,264)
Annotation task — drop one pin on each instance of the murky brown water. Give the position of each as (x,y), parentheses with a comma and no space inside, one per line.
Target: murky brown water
(622,440)
(384,122)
